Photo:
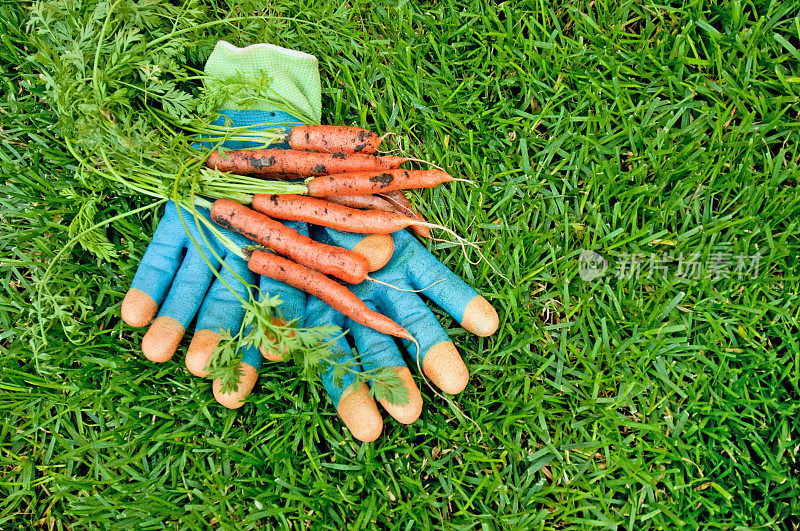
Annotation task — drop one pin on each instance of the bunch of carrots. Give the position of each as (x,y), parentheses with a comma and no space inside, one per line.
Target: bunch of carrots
(348,187)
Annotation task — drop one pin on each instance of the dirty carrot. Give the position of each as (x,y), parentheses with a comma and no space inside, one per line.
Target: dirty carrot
(372,182)
(300,163)
(333,139)
(341,263)
(327,214)
(324,288)
(369,202)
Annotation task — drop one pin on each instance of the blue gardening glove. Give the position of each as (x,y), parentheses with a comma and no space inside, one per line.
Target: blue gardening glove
(165,279)
(411,267)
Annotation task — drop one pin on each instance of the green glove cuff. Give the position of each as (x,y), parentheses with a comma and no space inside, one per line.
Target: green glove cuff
(294,78)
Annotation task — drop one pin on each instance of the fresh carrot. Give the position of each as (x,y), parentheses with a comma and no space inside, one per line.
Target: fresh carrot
(300,163)
(341,263)
(333,139)
(326,289)
(400,204)
(373,182)
(327,214)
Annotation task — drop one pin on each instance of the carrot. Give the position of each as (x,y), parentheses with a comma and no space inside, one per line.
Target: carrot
(333,139)
(341,263)
(326,289)
(400,203)
(327,214)
(302,163)
(398,199)
(371,182)
(368,202)
(393,201)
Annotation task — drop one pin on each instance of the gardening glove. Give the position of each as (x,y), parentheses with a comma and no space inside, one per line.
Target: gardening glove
(175,279)
(411,267)
(439,358)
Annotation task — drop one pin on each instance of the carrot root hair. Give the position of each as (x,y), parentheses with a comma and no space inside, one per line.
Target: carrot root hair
(375,280)
(423,161)
(388,151)
(463,243)
(409,212)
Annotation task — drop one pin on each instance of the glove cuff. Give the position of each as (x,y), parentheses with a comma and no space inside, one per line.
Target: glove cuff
(295,85)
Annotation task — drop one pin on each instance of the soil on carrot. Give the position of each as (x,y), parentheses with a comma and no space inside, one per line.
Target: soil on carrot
(385,179)
(261,162)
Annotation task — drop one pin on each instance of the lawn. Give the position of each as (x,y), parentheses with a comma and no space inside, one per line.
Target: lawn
(636,168)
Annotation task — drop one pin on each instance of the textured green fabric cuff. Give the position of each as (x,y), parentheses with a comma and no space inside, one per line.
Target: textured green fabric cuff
(294,78)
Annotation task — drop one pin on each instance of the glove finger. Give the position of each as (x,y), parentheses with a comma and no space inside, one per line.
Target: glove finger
(221,310)
(446,289)
(155,272)
(438,356)
(247,380)
(376,248)
(181,305)
(353,402)
(293,300)
(379,351)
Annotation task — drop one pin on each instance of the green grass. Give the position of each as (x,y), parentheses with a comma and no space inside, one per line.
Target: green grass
(621,402)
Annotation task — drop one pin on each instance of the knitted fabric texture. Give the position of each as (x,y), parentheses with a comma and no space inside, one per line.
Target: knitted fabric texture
(294,87)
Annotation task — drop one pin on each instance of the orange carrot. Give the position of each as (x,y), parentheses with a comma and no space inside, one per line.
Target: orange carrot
(341,263)
(373,182)
(400,203)
(302,163)
(326,289)
(327,214)
(394,201)
(367,202)
(398,199)
(333,139)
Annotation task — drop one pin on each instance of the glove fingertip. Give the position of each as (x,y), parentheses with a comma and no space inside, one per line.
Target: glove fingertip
(480,317)
(235,399)
(138,308)
(376,248)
